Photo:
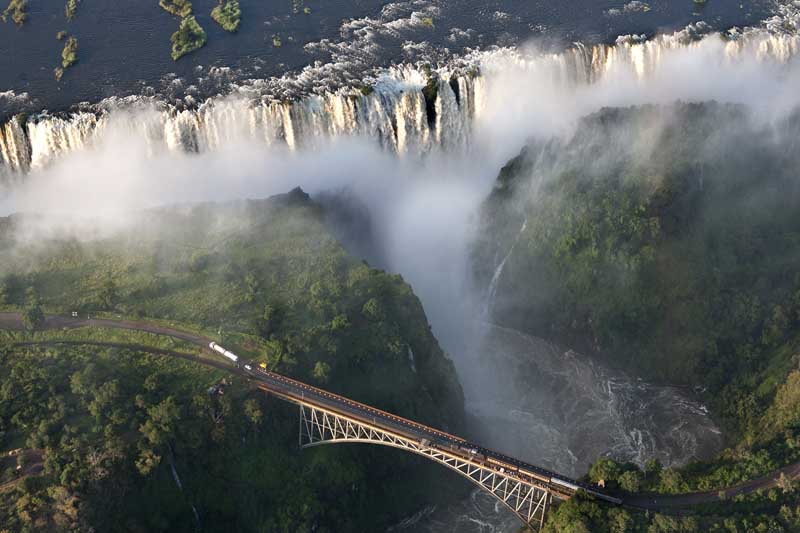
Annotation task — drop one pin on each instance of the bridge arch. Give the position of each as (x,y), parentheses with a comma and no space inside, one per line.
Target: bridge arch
(528,501)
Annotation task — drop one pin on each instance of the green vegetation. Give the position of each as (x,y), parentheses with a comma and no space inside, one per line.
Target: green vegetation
(69,55)
(189,37)
(665,241)
(60,36)
(179,8)
(71,9)
(276,41)
(227,14)
(776,510)
(102,336)
(17,10)
(267,279)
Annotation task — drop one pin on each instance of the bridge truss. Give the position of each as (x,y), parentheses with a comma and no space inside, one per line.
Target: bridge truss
(529,501)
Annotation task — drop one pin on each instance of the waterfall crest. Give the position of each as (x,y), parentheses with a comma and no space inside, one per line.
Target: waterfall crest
(409,110)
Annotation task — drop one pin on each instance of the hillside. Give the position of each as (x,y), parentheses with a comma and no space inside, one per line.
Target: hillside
(116,426)
(664,240)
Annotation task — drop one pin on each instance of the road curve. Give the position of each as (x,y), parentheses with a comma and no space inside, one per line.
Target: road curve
(13,321)
(667,502)
(654,502)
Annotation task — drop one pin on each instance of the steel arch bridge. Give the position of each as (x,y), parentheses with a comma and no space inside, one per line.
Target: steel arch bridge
(528,501)
(328,418)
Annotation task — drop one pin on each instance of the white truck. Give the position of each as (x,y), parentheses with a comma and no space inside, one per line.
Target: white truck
(225,353)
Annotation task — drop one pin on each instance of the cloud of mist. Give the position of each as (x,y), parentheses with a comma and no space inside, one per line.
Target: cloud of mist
(527,95)
(423,209)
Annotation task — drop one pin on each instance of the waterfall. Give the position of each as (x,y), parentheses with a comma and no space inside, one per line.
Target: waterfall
(492,290)
(14,146)
(394,112)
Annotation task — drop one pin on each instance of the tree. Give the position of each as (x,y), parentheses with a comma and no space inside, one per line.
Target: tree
(107,293)
(619,520)
(33,318)
(147,461)
(252,410)
(629,481)
(372,309)
(672,481)
(785,483)
(652,467)
(775,328)
(269,321)
(251,287)
(321,371)
(32,296)
(604,469)
(4,296)
(161,421)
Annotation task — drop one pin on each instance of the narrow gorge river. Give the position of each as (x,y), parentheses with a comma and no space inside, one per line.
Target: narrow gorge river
(559,409)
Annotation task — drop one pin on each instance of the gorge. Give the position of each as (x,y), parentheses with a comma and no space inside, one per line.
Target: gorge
(406,166)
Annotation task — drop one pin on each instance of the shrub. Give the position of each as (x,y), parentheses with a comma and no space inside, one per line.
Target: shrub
(69,55)
(71,9)
(33,318)
(180,8)
(189,37)
(16,8)
(227,14)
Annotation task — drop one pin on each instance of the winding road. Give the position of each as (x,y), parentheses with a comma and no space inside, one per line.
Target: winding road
(645,501)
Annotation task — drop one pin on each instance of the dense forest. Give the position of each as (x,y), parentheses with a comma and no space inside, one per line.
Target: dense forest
(665,241)
(109,438)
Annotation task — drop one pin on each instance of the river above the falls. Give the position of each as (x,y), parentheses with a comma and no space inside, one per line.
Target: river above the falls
(124,46)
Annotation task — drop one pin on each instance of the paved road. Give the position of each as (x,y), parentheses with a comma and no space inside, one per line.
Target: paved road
(295,389)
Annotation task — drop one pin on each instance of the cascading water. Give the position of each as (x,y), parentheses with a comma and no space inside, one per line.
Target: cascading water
(534,401)
(491,292)
(14,146)
(395,112)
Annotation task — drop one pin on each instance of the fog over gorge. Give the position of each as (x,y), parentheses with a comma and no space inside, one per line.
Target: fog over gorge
(421,153)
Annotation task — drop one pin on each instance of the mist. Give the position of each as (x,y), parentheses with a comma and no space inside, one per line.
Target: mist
(423,207)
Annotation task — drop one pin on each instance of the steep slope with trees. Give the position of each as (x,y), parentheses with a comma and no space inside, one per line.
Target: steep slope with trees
(665,241)
(132,441)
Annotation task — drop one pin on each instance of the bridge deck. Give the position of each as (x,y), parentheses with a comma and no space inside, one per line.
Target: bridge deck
(302,393)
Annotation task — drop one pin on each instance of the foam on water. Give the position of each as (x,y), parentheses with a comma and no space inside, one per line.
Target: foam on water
(396,113)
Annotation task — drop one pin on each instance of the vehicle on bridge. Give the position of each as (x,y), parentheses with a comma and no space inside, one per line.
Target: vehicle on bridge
(434,442)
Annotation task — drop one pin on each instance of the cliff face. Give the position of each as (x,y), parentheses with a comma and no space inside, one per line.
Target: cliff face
(268,279)
(661,237)
(664,240)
